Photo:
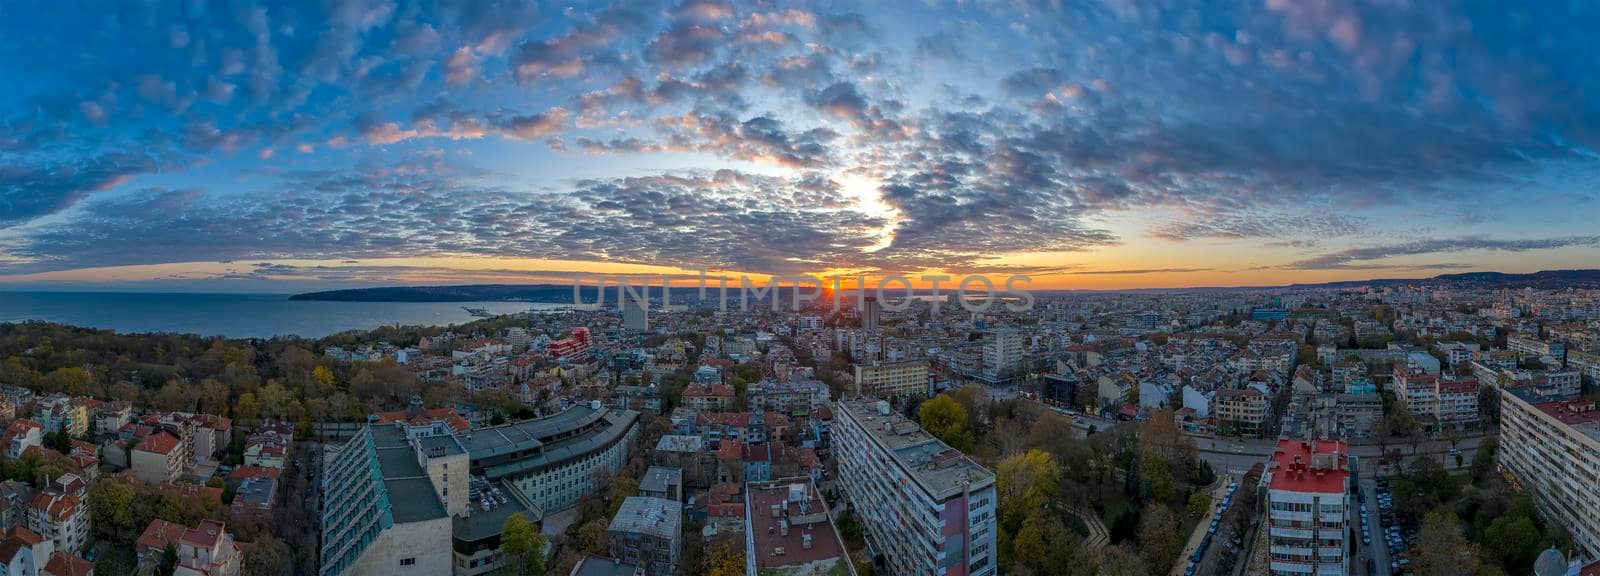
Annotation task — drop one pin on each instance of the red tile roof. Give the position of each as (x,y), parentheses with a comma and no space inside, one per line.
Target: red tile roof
(456,422)
(159,443)
(158,535)
(1293,466)
(64,564)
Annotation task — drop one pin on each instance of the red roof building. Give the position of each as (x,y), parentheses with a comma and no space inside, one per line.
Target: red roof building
(1321,466)
(64,564)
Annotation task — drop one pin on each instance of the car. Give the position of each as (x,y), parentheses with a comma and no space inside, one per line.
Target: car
(1455,451)
(1366,540)
(1213,528)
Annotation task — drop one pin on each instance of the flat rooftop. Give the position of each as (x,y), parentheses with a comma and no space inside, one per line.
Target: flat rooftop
(658,478)
(527,434)
(811,545)
(646,515)
(1320,466)
(937,467)
(482,523)
(411,494)
(1574,414)
(544,442)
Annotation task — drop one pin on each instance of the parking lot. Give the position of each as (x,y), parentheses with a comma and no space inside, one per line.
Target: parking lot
(1382,536)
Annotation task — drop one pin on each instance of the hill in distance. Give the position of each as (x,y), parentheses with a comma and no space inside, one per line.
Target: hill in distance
(1546,279)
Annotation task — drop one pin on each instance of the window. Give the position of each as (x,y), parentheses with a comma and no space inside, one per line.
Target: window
(408,561)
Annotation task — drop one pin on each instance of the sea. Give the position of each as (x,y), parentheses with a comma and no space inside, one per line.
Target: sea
(238,315)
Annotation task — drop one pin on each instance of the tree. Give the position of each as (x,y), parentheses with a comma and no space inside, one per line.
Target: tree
(1199,503)
(1120,560)
(1024,483)
(1514,539)
(1154,470)
(125,391)
(1483,460)
(213,397)
(1442,549)
(723,559)
(72,381)
(946,420)
(523,544)
(176,395)
(1160,541)
(247,408)
(267,556)
(1045,546)
(111,510)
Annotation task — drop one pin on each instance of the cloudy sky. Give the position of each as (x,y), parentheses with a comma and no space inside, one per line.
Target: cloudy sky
(278,146)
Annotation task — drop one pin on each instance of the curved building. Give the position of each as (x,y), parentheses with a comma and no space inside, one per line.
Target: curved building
(398,502)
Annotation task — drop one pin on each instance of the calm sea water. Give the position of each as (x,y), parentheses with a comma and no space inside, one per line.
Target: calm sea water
(235,315)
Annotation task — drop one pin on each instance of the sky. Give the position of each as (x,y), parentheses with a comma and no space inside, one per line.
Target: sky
(251,146)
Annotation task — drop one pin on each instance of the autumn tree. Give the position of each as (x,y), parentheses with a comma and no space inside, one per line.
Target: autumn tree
(946,420)
(1160,539)
(1024,483)
(1045,546)
(1443,549)
(213,397)
(523,544)
(723,558)
(267,556)
(72,381)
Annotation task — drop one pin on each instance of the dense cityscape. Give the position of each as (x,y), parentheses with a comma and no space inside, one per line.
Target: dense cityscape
(1401,429)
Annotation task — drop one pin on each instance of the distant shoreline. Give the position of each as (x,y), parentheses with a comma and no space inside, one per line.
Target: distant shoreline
(562,294)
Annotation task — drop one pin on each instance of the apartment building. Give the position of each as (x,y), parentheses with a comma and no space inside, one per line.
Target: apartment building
(62,413)
(1241,410)
(893,378)
(157,458)
(21,434)
(60,513)
(1534,347)
(1553,450)
(647,532)
(1002,354)
(926,507)
(205,550)
(789,532)
(1437,403)
(1308,502)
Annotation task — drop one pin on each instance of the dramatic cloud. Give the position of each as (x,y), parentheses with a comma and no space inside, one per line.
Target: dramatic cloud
(819,135)
(1365,258)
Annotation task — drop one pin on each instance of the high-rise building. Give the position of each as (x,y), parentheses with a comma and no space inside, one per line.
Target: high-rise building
(871,309)
(926,507)
(1308,507)
(1553,451)
(788,531)
(1002,354)
(635,314)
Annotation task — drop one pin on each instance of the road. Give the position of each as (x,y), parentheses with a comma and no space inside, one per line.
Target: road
(1378,550)
(1199,533)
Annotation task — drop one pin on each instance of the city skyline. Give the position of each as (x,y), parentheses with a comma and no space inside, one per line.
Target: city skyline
(296,147)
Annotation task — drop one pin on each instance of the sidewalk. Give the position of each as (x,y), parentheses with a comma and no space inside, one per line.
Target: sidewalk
(1218,490)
